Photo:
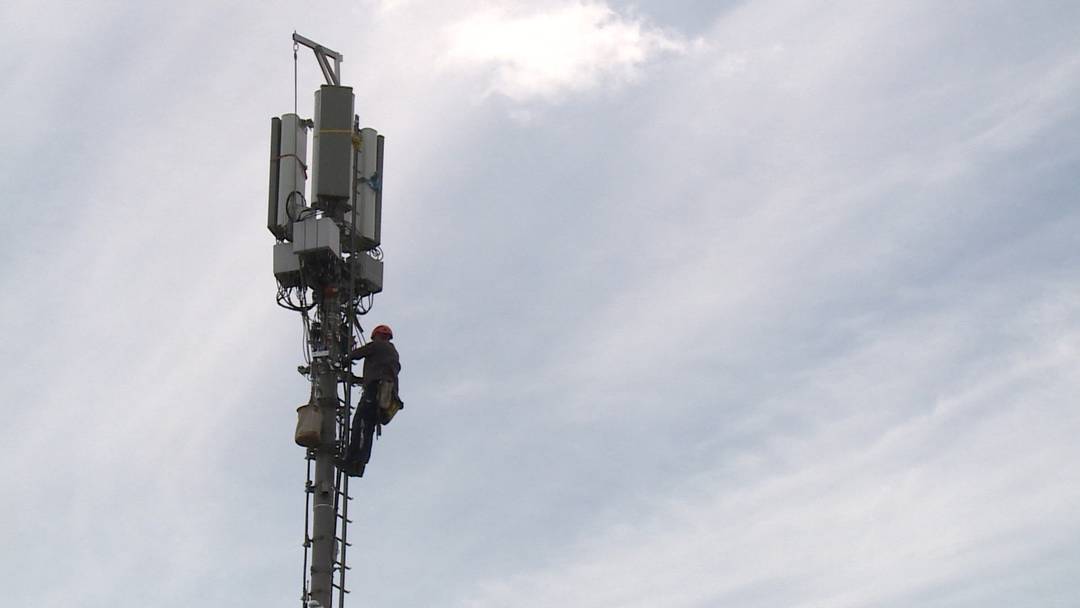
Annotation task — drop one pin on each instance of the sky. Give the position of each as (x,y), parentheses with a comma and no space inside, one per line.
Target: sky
(700,304)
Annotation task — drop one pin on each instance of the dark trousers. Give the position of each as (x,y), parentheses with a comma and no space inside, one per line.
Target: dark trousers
(364,422)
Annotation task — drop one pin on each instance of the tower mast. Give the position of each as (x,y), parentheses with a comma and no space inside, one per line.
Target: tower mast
(327,261)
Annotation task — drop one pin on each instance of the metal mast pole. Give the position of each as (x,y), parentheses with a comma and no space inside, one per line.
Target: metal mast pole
(324,526)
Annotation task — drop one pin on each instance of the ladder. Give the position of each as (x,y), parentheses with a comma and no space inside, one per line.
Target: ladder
(343,416)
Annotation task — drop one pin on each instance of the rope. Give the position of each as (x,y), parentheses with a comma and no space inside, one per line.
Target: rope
(296,113)
(307,455)
(295,47)
(303,166)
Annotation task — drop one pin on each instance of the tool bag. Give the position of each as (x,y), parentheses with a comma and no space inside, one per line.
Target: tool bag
(308,425)
(388,401)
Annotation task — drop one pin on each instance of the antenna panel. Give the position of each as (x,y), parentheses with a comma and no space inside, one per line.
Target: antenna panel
(366,226)
(292,173)
(332,144)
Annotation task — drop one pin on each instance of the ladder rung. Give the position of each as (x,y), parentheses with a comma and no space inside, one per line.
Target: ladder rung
(336,586)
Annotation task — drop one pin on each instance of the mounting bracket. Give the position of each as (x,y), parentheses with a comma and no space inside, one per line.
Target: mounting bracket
(323,56)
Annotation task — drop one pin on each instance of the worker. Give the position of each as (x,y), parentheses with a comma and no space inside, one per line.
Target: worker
(381,365)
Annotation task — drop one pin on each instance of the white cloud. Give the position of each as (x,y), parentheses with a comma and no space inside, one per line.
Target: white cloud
(861,511)
(548,54)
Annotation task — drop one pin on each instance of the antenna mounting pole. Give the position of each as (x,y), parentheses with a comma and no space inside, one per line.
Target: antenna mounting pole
(323,55)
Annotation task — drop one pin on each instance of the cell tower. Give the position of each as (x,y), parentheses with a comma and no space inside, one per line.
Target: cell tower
(328,266)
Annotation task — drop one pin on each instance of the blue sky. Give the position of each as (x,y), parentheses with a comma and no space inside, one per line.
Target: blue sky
(700,304)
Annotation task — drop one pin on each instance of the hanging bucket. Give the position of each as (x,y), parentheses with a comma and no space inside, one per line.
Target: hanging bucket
(308,425)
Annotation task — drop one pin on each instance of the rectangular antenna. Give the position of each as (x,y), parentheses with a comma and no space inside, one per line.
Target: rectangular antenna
(275,167)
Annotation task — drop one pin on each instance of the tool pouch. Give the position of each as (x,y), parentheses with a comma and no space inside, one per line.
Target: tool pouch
(388,401)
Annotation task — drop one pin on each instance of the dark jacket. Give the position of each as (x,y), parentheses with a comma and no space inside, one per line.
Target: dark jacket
(381,361)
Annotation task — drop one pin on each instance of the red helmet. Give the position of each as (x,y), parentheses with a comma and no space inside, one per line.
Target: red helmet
(383,330)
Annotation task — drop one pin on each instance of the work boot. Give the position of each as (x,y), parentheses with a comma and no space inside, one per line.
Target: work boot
(352,468)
